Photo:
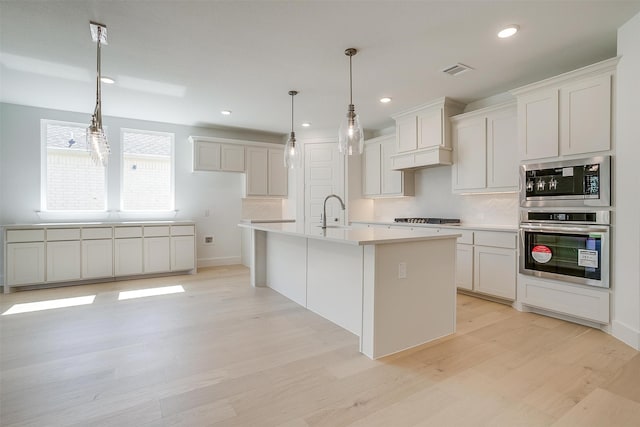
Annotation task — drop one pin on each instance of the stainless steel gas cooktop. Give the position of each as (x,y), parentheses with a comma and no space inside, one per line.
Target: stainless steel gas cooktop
(451,221)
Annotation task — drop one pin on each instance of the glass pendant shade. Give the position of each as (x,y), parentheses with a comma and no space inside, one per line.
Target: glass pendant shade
(292,153)
(97,145)
(292,148)
(350,135)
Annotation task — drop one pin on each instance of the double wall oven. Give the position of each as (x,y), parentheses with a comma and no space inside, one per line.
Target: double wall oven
(564,223)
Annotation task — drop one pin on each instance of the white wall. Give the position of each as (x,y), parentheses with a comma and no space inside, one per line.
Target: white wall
(626,302)
(195,192)
(433,198)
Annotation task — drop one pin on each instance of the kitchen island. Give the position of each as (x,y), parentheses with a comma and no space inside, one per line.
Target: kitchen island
(394,289)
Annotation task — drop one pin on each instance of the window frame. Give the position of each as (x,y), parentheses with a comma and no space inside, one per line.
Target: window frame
(44,172)
(172,193)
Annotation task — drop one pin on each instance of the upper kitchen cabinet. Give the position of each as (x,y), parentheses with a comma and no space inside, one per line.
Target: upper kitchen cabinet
(570,114)
(210,154)
(423,135)
(484,150)
(266,173)
(378,177)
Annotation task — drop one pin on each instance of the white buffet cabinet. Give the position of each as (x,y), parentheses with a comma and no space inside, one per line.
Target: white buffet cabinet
(43,254)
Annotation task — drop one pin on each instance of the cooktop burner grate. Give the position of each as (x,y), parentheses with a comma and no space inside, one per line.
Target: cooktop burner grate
(428,220)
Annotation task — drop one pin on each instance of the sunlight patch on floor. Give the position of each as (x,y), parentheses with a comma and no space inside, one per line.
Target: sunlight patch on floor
(149,292)
(50,304)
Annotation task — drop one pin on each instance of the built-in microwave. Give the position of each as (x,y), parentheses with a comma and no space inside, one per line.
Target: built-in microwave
(568,183)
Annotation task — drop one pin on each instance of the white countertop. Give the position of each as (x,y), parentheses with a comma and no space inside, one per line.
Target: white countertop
(463,226)
(262,221)
(95,224)
(360,236)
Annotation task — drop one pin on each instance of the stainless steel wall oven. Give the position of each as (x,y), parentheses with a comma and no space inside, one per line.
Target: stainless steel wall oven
(570,246)
(567,183)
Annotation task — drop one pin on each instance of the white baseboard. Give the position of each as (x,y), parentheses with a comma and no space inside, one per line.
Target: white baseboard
(214,262)
(626,334)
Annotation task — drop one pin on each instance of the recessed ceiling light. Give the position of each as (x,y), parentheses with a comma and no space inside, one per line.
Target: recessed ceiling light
(107,80)
(385,100)
(225,112)
(306,124)
(508,31)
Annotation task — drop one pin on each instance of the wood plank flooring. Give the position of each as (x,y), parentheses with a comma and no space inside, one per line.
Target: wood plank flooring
(225,354)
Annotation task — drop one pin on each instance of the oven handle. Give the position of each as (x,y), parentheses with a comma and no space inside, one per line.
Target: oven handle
(562,228)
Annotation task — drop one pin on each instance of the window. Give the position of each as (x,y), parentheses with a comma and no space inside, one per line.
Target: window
(147,171)
(71,181)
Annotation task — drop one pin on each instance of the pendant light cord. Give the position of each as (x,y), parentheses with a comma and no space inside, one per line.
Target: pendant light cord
(292,95)
(350,81)
(98,111)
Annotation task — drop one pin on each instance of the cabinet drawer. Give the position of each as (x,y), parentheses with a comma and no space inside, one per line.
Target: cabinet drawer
(182,230)
(63,234)
(155,231)
(495,239)
(18,236)
(466,238)
(124,232)
(97,233)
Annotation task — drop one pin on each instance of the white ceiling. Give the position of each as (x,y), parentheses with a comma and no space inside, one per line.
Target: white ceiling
(183,61)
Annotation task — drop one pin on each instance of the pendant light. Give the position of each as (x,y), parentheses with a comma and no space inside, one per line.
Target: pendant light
(350,135)
(97,143)
(292,149)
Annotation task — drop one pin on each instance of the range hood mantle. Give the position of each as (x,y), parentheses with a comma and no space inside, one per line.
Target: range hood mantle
(423,135)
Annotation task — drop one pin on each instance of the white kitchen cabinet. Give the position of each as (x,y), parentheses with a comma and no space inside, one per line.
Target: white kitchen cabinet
(495,271)
(157,254)
(568,114)
(470,154)
(278,174)
(183,253)
(266,173)
(97,258)
(25,263)
(538,124)
(232,158)
(423,135)
(379,178)
(209,155)
(128,256)
(583,302)
(585,112)
(464,266)
(484,150)
(63,261)
(495,264)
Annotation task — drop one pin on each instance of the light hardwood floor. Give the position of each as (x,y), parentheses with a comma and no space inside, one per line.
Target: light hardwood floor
(223,353)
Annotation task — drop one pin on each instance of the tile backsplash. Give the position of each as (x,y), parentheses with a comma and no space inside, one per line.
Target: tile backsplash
(261,208)
(434,199)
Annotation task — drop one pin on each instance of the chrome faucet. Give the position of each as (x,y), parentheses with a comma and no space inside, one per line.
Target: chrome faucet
(324,208)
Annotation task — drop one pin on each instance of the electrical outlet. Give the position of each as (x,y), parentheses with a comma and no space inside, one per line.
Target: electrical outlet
(209,240)
(207,212)
(402,270)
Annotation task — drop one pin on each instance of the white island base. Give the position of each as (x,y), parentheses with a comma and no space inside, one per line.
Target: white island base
(394,289)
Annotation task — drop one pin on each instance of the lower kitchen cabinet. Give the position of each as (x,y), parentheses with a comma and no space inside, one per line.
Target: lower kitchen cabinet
(59,254)
(63,261)
(97,258)
(128,256)
(584,302)
(183,256)
(495,271)
(25,263)
(486,263)
(464,266)
(157,254)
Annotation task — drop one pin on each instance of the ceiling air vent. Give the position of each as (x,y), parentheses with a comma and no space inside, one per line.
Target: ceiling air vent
(456,69)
